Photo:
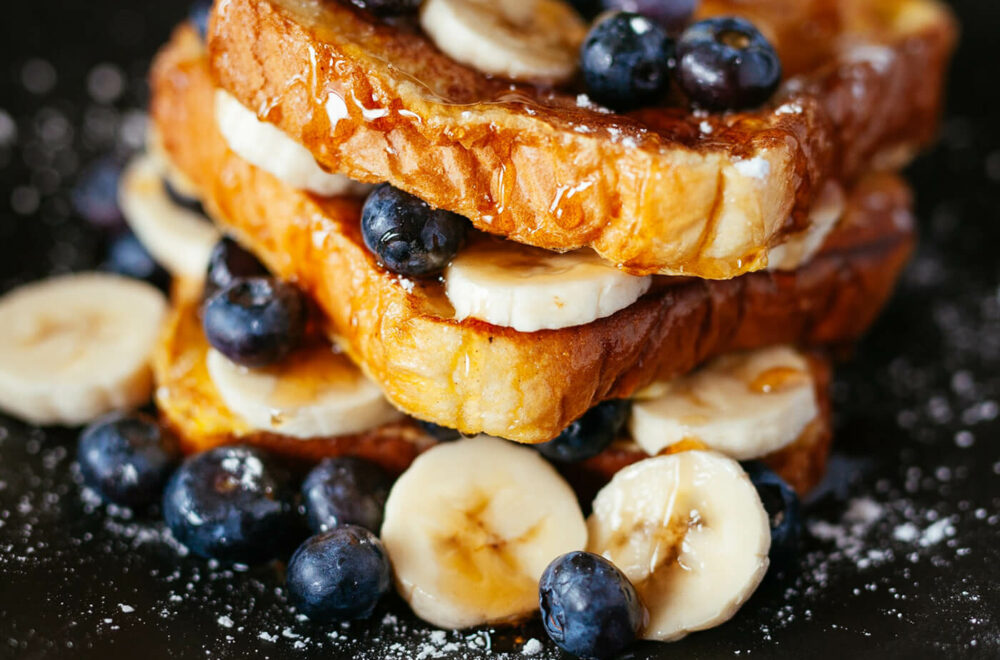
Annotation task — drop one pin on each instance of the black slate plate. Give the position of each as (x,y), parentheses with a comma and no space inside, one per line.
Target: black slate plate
(903,554)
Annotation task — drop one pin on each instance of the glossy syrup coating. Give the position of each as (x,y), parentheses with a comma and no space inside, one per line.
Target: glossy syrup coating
(658,190)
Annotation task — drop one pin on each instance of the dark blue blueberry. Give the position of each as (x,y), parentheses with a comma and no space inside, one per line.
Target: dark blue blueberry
(255,321)
(725,63)
(95,195)
(182,200)
(407,235)
(589,435)
(589,608)
(783,509)
(345,491)
(338,575)
(126,459)
(438,432)
(228,262)
(388,7)
(231,503)
(128,256)
(626,60)
(673,15)
(198,15)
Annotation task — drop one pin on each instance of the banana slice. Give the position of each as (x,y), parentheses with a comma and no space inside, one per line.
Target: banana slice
(264,145)
(537,40)
(471,526)
(529,289)
(744,405)
(178,238)
(314,393)
(77,346)
(691,534)
(800,248)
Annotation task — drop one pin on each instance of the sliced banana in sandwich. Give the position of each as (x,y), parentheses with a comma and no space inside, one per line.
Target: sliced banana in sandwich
(314,393)
(470,528)
(77,346)
(800,248)
(529,289)
(744,405)
(690,532)
(177,237)
(532,40)
(264,145)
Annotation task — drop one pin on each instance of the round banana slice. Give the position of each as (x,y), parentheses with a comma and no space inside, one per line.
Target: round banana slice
(178,238)
(690,532)
(75,347)
(744,405)
(471,526)
(264,145)
(314,393)
(529,289)
(536,41)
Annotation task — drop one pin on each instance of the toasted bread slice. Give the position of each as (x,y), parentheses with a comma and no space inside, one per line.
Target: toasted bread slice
(481,378)
(191,406)
(658,191)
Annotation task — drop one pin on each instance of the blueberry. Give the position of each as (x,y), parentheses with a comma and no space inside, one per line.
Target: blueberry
(231,503)
(725,63)
(345,491)
(338,575)
(255,321)
(673,15)
(182,200)
(126,459)
(407,235)
(95,194)
(626,60)
(227,263)
(388,7)
(438,432)
(198,15)
(783,509)
(589,608)
(589,435)
(128,256)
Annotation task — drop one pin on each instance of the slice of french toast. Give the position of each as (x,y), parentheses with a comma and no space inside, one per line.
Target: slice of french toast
(190,405)
(481,378)
(661,190)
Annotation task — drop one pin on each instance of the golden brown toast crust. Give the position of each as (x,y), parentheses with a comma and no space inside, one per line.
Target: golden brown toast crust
(190,405)
(480,378)
(659,190)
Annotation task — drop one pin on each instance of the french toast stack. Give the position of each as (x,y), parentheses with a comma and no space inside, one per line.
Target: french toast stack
(490,242)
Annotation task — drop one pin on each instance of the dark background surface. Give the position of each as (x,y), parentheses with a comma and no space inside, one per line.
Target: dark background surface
(903,554)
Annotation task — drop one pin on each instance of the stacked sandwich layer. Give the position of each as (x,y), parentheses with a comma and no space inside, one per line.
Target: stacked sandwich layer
(642,294)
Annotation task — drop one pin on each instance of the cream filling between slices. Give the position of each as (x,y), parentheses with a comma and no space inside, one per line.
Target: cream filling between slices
(267,147)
